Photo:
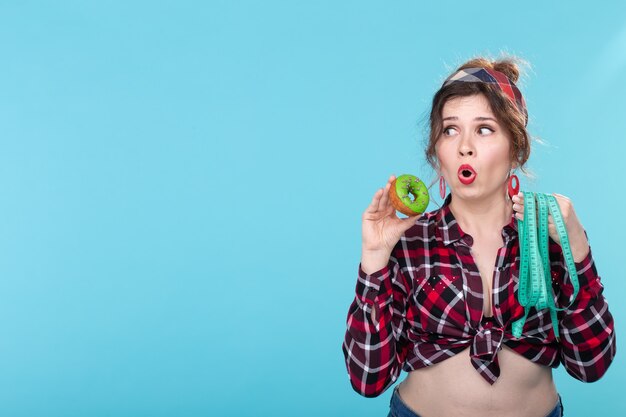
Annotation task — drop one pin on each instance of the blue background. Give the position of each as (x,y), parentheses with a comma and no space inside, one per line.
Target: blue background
(183,183)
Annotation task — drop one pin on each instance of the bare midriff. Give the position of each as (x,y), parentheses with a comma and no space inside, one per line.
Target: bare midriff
(454,387)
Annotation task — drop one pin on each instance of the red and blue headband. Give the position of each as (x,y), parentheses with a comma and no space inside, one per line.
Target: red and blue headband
(484,75)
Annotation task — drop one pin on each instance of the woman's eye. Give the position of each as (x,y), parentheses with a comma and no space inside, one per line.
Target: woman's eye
(480,129)
(445,130)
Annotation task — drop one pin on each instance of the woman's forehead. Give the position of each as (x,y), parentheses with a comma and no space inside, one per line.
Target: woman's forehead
(475,105)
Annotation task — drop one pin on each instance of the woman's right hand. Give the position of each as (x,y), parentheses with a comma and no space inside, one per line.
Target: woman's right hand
(382,228)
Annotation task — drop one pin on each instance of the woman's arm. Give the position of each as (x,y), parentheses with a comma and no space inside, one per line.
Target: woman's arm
(586,328)
(375,347)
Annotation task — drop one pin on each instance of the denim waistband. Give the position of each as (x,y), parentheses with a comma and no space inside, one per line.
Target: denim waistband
(400,409)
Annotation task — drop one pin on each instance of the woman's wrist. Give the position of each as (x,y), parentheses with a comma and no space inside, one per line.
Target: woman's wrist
(372,261)
(579,246)
(580,251)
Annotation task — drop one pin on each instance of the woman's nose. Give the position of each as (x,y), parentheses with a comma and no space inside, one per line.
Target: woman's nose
(465,149)
(465,145)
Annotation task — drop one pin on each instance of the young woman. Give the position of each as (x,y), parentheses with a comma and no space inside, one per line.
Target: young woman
(436,293)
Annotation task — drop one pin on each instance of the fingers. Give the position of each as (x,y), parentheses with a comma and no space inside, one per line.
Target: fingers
(409,222)
(518,206)
(373,207)
(384,201)
(381,197)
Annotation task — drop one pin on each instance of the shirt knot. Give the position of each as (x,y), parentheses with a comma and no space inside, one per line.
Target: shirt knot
(487,342)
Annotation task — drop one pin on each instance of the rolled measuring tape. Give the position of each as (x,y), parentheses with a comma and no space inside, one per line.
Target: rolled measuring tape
(535,285)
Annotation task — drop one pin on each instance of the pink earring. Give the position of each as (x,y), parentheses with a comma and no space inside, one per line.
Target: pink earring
(513,190)
(442,187)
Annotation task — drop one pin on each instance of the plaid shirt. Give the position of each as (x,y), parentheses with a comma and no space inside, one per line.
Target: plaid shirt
(429,307)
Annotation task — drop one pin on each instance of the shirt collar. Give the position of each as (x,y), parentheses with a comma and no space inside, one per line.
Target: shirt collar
(450,231)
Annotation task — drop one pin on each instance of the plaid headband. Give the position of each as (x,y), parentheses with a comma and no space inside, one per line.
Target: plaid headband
(484,75)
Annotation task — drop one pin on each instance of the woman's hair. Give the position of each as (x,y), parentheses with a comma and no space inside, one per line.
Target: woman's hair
(505,111)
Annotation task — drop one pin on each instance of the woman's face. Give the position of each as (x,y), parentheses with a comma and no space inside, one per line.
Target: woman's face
(472,135)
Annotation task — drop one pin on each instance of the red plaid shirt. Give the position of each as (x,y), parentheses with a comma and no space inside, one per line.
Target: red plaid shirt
(429,307)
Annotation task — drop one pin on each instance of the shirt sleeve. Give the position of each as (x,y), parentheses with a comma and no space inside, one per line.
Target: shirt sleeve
(586,327)
(375,351)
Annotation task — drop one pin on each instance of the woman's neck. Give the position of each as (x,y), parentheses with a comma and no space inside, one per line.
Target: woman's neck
(482,217)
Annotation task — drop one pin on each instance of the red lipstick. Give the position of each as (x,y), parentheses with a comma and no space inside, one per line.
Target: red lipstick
(466,174)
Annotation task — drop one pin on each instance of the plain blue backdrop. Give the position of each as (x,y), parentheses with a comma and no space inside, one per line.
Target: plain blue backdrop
(182,185)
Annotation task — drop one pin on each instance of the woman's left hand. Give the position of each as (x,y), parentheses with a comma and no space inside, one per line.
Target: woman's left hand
(575,231)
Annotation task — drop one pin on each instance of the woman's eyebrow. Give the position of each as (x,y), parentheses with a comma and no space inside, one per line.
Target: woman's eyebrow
(479,118)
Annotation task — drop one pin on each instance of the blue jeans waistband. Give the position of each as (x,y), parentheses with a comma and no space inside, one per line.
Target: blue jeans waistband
(397,408)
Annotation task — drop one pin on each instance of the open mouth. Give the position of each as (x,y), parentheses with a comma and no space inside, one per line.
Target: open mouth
(466,175)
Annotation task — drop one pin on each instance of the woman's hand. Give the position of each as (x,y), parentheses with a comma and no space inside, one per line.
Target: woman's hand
(382,228)
(575,231)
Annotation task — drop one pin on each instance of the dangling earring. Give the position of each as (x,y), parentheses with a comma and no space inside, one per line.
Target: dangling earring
(442,188)
(513,190)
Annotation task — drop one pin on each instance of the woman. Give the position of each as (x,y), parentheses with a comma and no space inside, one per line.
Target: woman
(436,293)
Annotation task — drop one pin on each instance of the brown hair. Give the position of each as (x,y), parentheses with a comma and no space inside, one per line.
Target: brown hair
(505,111)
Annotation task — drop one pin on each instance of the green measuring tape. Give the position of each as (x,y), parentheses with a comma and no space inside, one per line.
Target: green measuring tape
(535,283)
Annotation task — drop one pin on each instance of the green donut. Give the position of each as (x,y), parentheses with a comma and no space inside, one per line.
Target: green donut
(406,184)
